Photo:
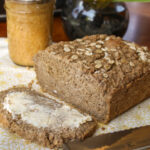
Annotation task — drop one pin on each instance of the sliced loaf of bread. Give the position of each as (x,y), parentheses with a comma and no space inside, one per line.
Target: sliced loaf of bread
(100,75)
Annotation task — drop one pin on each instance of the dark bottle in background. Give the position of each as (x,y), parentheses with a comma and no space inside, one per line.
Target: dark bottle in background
(58,7)
(59,4)
(2,11)
(81,19)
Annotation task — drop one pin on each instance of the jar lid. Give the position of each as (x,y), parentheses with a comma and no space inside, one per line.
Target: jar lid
(31,1)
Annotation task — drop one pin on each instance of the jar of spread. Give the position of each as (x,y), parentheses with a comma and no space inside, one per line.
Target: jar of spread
(29,28)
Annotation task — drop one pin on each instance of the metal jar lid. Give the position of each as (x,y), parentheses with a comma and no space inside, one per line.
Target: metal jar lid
(31,1)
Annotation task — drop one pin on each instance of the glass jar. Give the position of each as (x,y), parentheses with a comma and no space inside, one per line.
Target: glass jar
(84,17)
(29,28)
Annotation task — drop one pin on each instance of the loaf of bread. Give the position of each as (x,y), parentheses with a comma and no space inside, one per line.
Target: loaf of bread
(100,75)
(42,120)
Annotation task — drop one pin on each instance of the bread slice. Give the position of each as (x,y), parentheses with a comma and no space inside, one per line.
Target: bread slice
(42,120)
(100,75)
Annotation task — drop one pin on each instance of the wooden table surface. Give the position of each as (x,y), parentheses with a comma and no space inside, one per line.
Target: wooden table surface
(138,29)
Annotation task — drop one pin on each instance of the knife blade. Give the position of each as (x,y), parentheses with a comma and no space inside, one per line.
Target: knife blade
(132,139)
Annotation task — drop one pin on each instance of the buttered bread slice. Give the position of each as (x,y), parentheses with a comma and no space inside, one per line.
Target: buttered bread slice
(41,119)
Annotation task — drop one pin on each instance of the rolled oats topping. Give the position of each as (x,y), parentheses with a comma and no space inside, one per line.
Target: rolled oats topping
(141,51)
(79,53)
(103,55)
(92,44)
(79,40)
(105,75)
(105,49)
(53,53)
(145,48)
(99,51)
(98,64)
(66,49)
(97,72)
(111,61)
(113,49)
(108,38)
(98,46)
(88,53)
(117,55)
(131,45)
(107,66)
(74,57)
(79,49)
(131,64)
(88,49)
(145,56)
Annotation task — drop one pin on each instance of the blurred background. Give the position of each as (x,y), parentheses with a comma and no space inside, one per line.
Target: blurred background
(129,20)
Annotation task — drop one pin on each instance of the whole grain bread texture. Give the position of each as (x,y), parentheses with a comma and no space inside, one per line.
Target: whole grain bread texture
(100,75)
(48,136)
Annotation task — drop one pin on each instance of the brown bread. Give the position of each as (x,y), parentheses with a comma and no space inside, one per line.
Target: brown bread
(100,75)
(52,136)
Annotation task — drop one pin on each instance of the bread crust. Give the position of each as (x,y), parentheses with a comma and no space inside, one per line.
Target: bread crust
(42,136)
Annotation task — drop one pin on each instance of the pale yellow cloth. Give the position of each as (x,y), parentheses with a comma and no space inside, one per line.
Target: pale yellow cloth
(11,74)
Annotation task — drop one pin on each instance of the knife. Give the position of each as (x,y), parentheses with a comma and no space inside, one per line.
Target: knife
(132,139)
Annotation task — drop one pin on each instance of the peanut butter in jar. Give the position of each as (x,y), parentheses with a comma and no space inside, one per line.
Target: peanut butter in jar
(29,28)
